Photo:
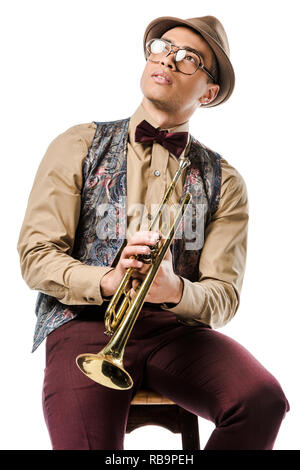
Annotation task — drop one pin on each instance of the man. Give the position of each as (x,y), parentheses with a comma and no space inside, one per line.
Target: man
(72,250)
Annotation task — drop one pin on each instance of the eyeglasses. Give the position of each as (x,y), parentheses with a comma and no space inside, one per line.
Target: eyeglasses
(187,60)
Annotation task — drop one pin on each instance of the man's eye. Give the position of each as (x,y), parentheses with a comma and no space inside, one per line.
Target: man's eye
(190,58)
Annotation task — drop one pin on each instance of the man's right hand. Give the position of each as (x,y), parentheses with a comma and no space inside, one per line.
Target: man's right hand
(138,244)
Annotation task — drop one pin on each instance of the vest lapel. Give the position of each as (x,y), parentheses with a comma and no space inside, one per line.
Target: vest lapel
(189,241)
(103,223)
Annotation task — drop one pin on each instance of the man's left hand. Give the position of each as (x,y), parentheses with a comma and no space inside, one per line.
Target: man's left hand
(167,287)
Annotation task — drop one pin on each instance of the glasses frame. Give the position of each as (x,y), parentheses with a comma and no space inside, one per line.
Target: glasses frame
(171,45)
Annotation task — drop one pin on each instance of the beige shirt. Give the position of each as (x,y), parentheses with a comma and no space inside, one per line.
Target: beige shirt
(151,169)
(48,231)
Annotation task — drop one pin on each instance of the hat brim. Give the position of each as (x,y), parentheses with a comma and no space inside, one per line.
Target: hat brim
(226,77)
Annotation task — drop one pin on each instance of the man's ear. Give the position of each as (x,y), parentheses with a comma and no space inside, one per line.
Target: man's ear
(210,94)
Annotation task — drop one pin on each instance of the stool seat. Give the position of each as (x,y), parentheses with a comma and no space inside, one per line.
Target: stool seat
(151,408)
(148,397)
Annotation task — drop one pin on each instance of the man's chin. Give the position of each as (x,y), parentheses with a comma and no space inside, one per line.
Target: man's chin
(158,100)
(159,103)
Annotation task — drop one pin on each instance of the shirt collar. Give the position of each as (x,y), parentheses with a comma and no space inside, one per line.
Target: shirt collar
(140,114)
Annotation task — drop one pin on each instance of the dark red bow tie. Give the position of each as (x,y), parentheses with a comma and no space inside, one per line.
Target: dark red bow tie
(175,142)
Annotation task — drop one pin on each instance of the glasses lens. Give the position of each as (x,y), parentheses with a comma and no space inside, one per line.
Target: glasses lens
(156,49)
(187,61)
(157,46)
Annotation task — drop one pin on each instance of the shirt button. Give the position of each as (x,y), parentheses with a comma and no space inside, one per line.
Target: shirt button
(157,173)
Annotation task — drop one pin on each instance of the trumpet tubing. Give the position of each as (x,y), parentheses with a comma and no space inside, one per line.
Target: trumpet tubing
(106,367)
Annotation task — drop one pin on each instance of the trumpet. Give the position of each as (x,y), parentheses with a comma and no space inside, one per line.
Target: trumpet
(106,367)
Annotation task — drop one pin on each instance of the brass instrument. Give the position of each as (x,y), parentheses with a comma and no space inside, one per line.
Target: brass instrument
(106,367)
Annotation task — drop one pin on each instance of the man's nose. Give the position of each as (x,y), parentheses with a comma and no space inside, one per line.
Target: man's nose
(168,61)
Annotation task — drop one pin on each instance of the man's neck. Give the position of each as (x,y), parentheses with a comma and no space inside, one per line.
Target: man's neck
(163,118)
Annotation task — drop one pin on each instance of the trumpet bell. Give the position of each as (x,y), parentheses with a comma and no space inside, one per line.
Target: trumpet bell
(105,370)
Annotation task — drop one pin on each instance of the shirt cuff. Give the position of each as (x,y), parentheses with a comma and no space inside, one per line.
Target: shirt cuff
(186,308)
(85,284)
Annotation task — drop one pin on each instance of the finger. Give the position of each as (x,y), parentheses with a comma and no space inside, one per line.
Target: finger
(136,274)
(136,283)
(130,263)
(144,268)
(132,293)
(168,255)
(132,250)
(144,238)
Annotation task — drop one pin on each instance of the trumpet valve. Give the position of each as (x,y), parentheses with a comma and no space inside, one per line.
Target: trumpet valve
(150,257)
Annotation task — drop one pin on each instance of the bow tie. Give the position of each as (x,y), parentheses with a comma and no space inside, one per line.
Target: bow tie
(175,142)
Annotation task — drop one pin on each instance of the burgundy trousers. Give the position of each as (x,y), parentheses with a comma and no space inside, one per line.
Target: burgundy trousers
(197,367)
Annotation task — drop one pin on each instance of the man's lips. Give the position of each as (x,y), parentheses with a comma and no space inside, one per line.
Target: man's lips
(162,77)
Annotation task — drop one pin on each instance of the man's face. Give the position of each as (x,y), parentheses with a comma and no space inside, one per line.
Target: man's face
(185,92)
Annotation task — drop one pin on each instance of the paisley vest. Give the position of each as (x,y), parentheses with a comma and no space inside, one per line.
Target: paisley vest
(104,186)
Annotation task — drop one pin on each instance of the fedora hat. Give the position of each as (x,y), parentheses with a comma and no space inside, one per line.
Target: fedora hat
(214,34)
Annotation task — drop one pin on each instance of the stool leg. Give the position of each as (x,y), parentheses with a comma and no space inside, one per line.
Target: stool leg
(189,430)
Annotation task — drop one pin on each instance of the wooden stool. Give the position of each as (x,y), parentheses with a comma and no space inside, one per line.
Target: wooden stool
(150,408)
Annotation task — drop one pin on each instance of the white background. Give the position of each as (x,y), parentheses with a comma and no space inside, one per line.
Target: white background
(66,62)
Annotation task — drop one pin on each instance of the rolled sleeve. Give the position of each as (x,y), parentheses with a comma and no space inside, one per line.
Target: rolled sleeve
(48,231)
